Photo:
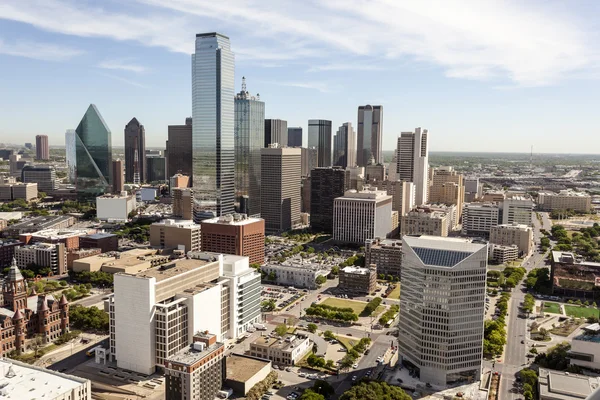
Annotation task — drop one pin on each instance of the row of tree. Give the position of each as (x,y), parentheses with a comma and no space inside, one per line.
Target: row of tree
(332,313)
(354,353)
(538,279)
(494,336)
(371,307)
(88,319)
(389,314)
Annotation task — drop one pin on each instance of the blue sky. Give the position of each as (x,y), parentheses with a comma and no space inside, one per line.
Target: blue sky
(493,76)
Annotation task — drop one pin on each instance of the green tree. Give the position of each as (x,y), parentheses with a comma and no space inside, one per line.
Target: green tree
(272,276)
(329,364)
(309,394)
(281,329)
(88,319)
(320,280)
(312,328)
(528,376)
(328,334)
(323,388)
(335,270)
(373,390)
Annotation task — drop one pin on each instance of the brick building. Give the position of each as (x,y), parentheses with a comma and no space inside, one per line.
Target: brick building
(235,234)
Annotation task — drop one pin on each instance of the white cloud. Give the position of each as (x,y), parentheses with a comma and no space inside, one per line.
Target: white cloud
(526,43)
(122,65)
(39,51)
(322,87)
(124,80)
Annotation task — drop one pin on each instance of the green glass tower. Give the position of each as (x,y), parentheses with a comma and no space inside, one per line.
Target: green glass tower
(93,155)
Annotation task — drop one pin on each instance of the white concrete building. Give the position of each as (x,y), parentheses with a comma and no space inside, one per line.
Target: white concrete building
(412,155)
(20,381)
(358,216)
(517,210)
(479,218)
(585,348)
(442,308)
(513,234)
(565,200)
(115,207)
(503,254)
(300,276)
(146,194)
(287,350)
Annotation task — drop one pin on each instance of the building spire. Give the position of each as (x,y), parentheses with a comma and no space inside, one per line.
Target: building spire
(14,274)
(243,83)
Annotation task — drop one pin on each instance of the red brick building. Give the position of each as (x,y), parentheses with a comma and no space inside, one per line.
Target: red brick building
(235,234)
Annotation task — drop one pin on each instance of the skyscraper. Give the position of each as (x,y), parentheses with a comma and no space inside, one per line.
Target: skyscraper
(294,137)
(93,155)
(442,308)
(213,144)
(118,175)
(344,146)
(447,187)
(412,162)
(42,151)
(325,185)
(135,152)
(70,154)
(276,131)
(249,131)
(179,149)
(370,127)
(319,138)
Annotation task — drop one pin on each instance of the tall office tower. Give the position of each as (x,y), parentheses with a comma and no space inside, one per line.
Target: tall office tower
(319,138)
(93,155)
(135,152)
(305,155)
(344,146)
(358,216)
(179,149)
(249,128)
(447,187)
(42,151)
(294,137)
(280,188)
(442,308)
(392,172)
(370,127)
(70,154)
(213,147)
(183,203)
(412,156)
(118,175)
(276,131)
(326,184)
(155,169)
(515,210)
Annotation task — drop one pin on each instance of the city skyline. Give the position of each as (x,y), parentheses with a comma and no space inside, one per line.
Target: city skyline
(476,90)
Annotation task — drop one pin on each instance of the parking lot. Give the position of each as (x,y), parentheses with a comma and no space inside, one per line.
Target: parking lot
(285,298)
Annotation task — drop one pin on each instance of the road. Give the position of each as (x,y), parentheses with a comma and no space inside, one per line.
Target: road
(77,358)
(91,300)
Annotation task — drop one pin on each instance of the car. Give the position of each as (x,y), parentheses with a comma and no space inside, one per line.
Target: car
(354,378)
(367,351)
(302,375)
(355,366)
(288,369)
(522,342)
(349,334)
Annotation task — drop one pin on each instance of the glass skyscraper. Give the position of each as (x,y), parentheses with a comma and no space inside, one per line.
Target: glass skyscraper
(319,137)
(249,139)
(70,154)
(369,141)
(93,155)
(213,148)
(344,146)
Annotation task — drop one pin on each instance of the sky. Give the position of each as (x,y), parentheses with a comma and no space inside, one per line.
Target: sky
(479,75)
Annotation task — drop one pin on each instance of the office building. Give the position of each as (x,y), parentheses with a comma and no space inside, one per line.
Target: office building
(494,196)
(565,200)
(115,207)
(501,254)
(43,175)
(171,234)
(18,190)
(39,223)
(305,194)
(562,385)
(276,132)
(294,137)
(280,188)
(249,128)
(156,169)
(44,255)
(513,234)
(287,350)
(104,241)
(131,261)
(306,155)
(326,184)
(235,234)
(517,210)
(7,251)
(473,189)
(319,138)
(370,130)
(196,372)
(385,254)
(392,169)
(585,348)
(447,187)
(71,154)
(183,203)
(15,165)
(74,255)
(179,181)
(42,150)
(374,173)
(358,216)
(6,153)
(344,146)
(424,221)
(412,156)
(135,152)
(358,280)
(243,372)
(68,237)
(179,150)
(213,145)
(402,192)
(118,183)
(479,218)
(299,276)
(442,308)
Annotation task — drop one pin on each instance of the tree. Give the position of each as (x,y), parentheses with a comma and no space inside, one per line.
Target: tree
(281,329)
(329,364)
(312,328)
(373,390)
(320,280)
(37,343)
(272,276)
(268,305)
(381,276)
(309,394)
(528,376)
(323,388)
(347,362)
(88,319)
(533,350)
(528,391)
(335,270)
(328,334)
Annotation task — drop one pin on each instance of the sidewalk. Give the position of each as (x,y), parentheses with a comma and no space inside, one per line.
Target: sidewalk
(69,348)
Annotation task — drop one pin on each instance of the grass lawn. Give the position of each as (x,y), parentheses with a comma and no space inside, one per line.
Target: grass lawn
(581,312)
(347,342)
(395,294)
(355,305)
(553,308)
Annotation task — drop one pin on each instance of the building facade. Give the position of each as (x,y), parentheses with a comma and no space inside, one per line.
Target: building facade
(71,154)
(344,146)
(358,280)
(287,351)
(385,254)
(513,234)
(502,254)
(45,255)
(114,207)
(447,187)
(183,203)
(235,234)
(565,200)
(156,169)
(422,221)
(135,152)
(325,185)
(18,190)
(319,138)
(42,150)
(183,235)
(179,150)
(358,216)
(118,177)
(517,210)
(276,132)
(44,176)
(370,129)
(294,136)
(412,156)
(300,276)
(479,218)
(104,241)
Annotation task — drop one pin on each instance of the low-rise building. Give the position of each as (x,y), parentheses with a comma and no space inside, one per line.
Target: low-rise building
(565,200)
(70,238)
(46,255)
(169,233)
(285,351)
(235,234)
(424,221)
(103,241)
(572,276)
(18,190)
(561,385)
(585,348)
(74,255)
(300,276)
(513,234)
(358,280)
(243,372)
(37,224)
(503,254)
(479,218)
(115,207)
(385,254)
(131,261)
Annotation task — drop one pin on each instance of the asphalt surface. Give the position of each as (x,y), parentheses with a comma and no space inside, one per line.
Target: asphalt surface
(76,359)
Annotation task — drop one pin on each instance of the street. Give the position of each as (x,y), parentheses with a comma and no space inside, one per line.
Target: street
(77,358)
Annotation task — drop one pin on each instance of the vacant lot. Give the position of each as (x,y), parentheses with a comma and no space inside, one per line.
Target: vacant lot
(355,305)
(395,294)
(553,308)
(581,312)
(347,342)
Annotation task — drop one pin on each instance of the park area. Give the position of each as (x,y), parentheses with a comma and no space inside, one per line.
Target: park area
(356,306)
(553,308)
(581,312)
(395,293)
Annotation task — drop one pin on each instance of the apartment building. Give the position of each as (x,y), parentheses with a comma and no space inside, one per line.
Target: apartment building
(513,234)
(358,216)
(565,200)
(385,254)
(183,203)
(479,218)
(183,235)
(358,280)
(45,255)
(235,234)
(424,221)
(442,308)
(283,351)
(517,210)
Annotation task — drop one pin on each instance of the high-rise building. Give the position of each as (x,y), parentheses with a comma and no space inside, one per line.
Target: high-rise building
(326,184)
(43,175)
(16,165)
(70,154)
(42,150)
(135,152)
(44,255)
(473,189)
(235,234)
(179,149)
(513,234)
(479,218)
(183,203)
(370,128)
(517,210)
(412,156)
(213,144)
(424,221)
(386,254)
(118,174)
(276,132)
(182,235)
(294,136)
(358,216)
(447,187)
(93,153)
(249,131)
(280,188)
(442,308)
(155,169)
(344,146)
(319,138)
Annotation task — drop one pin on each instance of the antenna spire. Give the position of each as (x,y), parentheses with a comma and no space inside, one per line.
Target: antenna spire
(243,83)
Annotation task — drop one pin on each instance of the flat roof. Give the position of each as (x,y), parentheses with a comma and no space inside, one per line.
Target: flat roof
(211,34)
(100,235)
(356,270)
(241,368)
(565,385)
(111,255)
(190,356)
(185,224)
(59,233)
(278,343)
(224,220)
(171,270)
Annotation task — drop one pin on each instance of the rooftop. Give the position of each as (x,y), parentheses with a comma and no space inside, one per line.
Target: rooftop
(173,269)
(356,270)
(100,235)
(566,386)
(514,226)
(193,353)
(367,194)
(241,368)
(284,343)
(40,222)
(441,251)
(185,224)
(232,219)
(59,233)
